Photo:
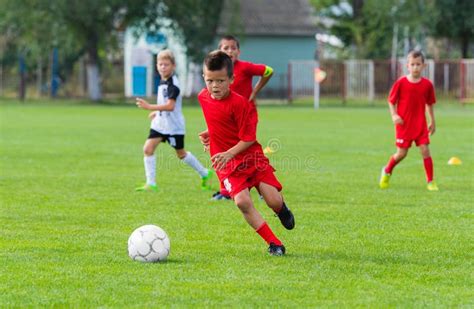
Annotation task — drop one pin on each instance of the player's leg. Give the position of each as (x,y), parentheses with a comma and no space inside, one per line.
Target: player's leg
(428,164)
(274,200)
(245,204)
(221,195)
(395,159)
(177,142)
(392,162)
(188,158)
(149,161)
(256,221)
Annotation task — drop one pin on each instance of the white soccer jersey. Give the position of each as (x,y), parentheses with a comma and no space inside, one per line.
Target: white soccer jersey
(169,122)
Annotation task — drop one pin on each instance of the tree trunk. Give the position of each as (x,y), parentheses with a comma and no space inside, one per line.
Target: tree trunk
(39,77)
(22,86)
(82,76)
(93,82)
(465,46)
(93,73)
(1,77)
(357,6)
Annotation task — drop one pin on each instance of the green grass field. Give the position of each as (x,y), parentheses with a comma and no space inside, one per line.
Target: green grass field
(68,170)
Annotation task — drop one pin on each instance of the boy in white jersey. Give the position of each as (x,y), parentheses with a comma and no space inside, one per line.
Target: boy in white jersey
(167,124)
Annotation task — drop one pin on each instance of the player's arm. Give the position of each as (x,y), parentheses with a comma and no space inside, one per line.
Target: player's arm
(204,138)
(168,107)
(432,125)
(219,160)
(393,112)
(429,109)
(268,73)
(393,101)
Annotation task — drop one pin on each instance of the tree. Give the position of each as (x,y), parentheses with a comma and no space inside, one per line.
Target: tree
(195,21)
(455,20)
(30,33)
(367,26)
(93,25)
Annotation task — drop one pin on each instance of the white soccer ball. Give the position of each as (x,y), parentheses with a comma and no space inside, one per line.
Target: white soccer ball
(149,243)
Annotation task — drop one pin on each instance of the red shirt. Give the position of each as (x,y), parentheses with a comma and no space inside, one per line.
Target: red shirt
(411,99)
(229,121)
(243,73)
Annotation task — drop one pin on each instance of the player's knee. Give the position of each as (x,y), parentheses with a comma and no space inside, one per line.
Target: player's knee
(148,151)
(244,203)
(274,201)
(401,154)
(181,154)
(425,152)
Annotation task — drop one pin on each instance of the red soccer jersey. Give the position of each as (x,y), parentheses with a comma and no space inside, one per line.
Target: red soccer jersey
(243,73)
(411,99)
(229,121)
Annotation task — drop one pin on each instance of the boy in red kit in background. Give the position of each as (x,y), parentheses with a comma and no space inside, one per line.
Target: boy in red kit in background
(235,153)
(411,96)
(244,72)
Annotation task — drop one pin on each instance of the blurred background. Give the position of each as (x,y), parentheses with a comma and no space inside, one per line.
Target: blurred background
(105,49)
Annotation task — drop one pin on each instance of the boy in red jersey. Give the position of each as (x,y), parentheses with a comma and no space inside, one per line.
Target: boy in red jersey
(244,72)
(235,153)
(409,98)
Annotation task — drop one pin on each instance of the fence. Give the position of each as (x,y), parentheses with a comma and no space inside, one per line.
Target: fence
(359,79)
(38,81)
(370,79)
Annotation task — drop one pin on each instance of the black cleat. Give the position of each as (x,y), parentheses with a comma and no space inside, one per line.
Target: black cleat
(286,217)
(218,196)
(276,250)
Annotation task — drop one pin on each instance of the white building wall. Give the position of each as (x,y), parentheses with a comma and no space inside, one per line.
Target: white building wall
(138,52)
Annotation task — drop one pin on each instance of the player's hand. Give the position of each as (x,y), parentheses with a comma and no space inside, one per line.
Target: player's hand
(151,115)
(219,160)
(142,104)
(432,128)
(204,138)
(397,119)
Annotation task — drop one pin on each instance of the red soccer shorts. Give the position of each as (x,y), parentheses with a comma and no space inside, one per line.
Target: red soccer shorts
(422,139)
(250,177)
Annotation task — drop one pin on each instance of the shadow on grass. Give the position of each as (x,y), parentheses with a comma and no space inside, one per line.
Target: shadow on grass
(170,262)
(388,259)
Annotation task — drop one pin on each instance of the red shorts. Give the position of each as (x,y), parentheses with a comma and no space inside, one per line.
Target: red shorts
(422,139)
(250,177)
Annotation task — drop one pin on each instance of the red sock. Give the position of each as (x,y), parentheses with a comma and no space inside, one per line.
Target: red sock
(390,165)
(428,163)
(266,233)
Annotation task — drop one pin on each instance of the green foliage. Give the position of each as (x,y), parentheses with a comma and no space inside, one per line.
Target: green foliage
(322,4)
(367,25)
(195,21)
(455,20)
(92,27)
(68,208)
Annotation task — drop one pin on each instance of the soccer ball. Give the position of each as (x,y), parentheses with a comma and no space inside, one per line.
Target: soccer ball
(149,243)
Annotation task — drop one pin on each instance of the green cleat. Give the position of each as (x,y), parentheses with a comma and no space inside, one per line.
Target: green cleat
(147,187)
(206,181)
(432,186)
(384,179)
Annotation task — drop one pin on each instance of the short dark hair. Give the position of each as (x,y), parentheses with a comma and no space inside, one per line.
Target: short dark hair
(229,37)
(416,54)
(217,60)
